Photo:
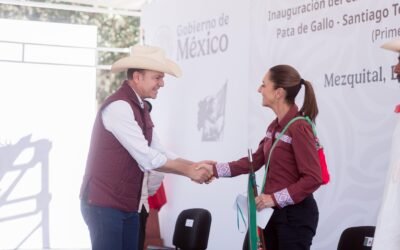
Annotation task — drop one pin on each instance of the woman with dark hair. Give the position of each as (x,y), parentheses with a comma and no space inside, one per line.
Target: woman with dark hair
(294,170)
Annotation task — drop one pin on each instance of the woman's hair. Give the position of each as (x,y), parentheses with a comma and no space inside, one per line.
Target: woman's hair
(287,77)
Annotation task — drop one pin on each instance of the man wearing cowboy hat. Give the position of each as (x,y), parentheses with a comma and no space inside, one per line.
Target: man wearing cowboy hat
(387,232)
(123,147)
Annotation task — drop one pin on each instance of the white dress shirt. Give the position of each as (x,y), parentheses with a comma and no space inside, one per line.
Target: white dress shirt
(118,118)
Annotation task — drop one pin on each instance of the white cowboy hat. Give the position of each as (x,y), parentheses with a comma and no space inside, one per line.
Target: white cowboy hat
(147,57)
(393,45)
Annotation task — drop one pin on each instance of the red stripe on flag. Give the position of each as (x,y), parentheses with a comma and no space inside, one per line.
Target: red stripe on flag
(158,200)
(397,109)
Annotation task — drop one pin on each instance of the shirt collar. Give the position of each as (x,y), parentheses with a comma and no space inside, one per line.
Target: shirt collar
(137,100)
(140,100)
(293,112)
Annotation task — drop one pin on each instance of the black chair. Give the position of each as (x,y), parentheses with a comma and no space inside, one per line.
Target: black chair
(192,229)
(357,238)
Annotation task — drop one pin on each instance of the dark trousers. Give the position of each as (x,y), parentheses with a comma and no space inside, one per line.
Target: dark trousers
(111,228)
(292,227)
(142,230)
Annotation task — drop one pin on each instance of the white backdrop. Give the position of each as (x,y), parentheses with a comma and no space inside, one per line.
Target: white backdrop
(47,107)
(339,52)
(193,114)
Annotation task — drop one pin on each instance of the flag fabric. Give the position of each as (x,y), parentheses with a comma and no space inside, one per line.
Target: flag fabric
(253,236)
(159,199)
(397,109)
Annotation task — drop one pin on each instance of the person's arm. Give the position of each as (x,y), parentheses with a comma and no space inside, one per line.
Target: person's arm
(157,145)
(198,172)
(118,118)
(241,166)
(308,167)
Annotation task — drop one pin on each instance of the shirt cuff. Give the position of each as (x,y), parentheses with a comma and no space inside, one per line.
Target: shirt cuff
(283,198)
(223,169)
(158,161)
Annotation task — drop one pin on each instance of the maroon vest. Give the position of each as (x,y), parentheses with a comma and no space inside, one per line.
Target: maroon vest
(113,177)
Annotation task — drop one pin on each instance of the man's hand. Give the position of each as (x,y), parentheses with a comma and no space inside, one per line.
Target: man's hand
(201,172)
(208,162)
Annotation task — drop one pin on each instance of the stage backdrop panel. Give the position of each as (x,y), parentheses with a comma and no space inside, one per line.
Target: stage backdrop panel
(336,46)
(333,44)
(203,114)
(47,106)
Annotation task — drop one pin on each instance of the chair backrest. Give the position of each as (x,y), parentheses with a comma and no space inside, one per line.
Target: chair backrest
(357,238)
(192,229)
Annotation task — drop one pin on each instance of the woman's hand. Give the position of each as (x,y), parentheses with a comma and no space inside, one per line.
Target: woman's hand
(264,201)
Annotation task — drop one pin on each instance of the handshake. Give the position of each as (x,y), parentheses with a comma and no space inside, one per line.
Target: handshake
(201,172)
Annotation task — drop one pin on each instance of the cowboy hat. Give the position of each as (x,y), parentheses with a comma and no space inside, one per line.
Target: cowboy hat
(147,57)
(393,45)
